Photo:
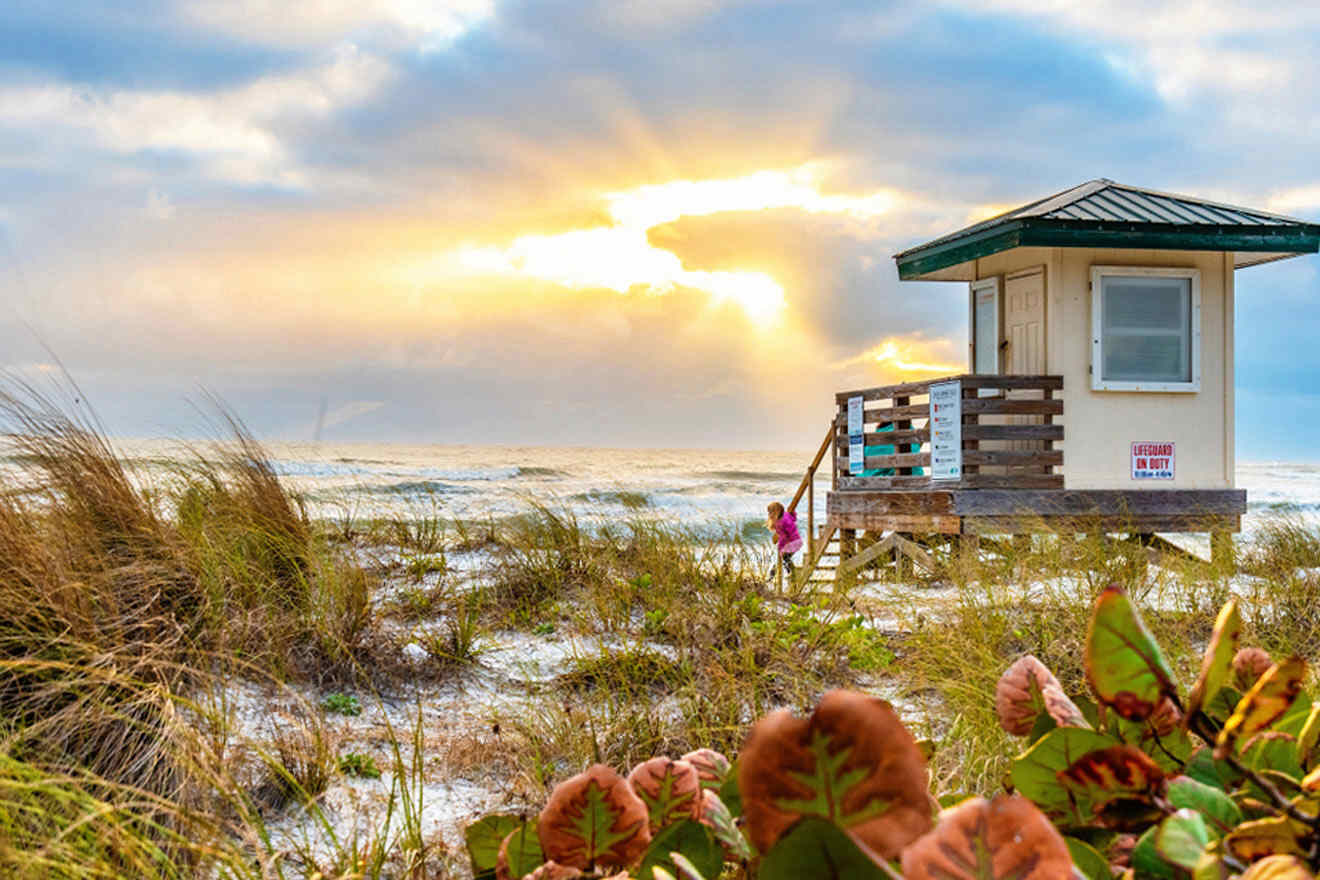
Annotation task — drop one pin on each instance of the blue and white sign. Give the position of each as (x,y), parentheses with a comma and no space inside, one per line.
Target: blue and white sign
(856,442)
(946,431)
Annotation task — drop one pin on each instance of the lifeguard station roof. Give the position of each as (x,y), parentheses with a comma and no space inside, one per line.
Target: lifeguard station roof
(1105,214)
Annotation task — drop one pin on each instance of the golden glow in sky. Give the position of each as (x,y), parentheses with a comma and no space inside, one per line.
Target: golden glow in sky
(911,357)
(620,256)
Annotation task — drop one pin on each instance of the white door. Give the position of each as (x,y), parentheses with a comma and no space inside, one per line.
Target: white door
(1024,323)
(1024,330)
(985,327)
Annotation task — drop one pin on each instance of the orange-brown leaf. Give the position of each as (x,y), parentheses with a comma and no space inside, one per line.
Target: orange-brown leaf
(852,762)
(990,840)
(1249,664)
(554,871)
(670,789)
(712,767)
(594,819)
(1278,868)
(1024,690)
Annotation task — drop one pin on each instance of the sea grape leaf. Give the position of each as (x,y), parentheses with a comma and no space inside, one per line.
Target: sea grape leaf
(1171,749)
(1146,860)
(852,762)
(1217,664)
(717,817)
(1263,837)
(1118,783)
(686,870)
(1003,839)
(1269,698)
(520,853)
(670,789)
(1124,665)
(1249,665)
(1221,813)
(1278,868)
(483,839)
(594,819)
(1025,690)
(819,849)
(1182,838)
(689,838)
(712,767)
(1272,750)
(1311,781)
(1035,772)
(1088,860)
(729,791)
(1308,738)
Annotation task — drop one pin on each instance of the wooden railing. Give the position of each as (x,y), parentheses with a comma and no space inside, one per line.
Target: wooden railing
(1008,435)
(808,487)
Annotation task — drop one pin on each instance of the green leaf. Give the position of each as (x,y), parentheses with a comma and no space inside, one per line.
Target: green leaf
(727,833)
(1268,700)
(818,849)
(1308,738)
(1212,802)
(1171,750)
(1124,665)
(1182,838)
(523,851)
(690,838)
(1088,860)
(1035,773)
(484,837)
(729,792)
(1217,664)
(1146,859)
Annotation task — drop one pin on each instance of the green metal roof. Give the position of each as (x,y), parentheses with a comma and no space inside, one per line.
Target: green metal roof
(1102,213)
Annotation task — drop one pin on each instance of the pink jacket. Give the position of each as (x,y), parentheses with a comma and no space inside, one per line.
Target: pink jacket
(786,531)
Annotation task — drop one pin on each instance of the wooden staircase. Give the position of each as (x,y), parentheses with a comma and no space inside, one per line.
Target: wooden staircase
(833,555)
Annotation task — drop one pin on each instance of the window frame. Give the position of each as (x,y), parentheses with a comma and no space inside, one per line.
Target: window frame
(1098,382)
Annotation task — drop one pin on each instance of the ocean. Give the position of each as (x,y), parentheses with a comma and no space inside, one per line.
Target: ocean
(708,490)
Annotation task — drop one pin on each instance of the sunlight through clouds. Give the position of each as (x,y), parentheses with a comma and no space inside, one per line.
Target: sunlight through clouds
(911,357)
(621,257)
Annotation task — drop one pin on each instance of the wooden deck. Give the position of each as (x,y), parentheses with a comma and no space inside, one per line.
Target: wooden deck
(1023,511)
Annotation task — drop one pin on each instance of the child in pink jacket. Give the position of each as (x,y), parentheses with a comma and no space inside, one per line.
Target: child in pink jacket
(787,540)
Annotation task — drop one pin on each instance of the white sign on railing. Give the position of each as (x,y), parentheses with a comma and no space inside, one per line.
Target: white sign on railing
(856,443)
(946,431)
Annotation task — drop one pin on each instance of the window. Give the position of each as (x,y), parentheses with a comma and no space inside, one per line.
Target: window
(1145,329)
(985,327)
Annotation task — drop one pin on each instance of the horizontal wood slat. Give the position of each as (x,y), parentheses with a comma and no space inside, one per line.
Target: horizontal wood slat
(1012,458)
(1012,432)
(910,389)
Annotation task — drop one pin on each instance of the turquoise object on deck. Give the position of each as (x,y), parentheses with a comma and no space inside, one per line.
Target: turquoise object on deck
(888,449)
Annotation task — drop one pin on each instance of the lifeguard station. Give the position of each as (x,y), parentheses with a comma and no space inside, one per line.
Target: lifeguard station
(1100,394)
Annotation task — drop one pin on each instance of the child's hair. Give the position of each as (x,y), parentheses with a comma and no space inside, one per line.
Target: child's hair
(775,509)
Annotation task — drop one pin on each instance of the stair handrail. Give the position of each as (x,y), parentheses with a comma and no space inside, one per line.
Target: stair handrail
(811,469)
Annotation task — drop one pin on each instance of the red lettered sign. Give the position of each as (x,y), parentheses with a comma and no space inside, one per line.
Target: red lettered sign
(1152,460)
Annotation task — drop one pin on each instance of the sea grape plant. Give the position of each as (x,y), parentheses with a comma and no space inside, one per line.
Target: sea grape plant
(1140,781)
(842,793)
(1135,781)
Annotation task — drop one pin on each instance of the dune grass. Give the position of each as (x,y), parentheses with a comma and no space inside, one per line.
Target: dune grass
(130,606)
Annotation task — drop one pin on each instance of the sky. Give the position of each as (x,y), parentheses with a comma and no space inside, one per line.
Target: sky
(661,223)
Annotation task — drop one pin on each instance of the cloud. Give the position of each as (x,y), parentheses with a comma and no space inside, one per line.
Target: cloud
(235,133)
(427,24)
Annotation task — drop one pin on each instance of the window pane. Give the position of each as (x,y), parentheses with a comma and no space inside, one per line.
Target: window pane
(1147,329)
(986,348)
(1146,303)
